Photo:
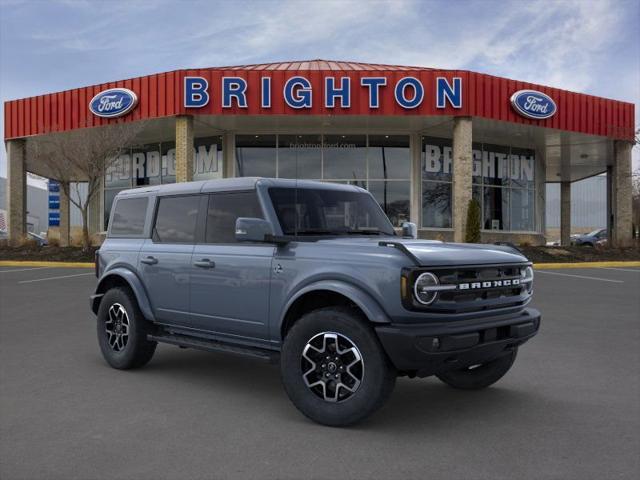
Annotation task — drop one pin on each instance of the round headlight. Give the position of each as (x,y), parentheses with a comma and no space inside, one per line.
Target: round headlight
(423,288)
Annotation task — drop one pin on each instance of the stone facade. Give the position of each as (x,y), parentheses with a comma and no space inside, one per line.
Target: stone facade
(462,174)
(565,213)
(16,191)
(621,183)
(184,148)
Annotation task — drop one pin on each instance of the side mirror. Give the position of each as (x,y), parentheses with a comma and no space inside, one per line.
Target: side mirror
(409,230)
(252,229)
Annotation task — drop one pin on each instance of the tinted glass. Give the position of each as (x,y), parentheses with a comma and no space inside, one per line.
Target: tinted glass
(436,204)
(129,215)
(176,219)
(393,197)
(522,210)
(496,201)
(256,155)
(300,156)
(345,157)
(389,157)
(495,164)
(437,163)
(307,211)
(207,158)
(224,209)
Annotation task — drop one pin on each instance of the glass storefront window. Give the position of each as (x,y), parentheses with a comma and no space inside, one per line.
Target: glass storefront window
(389,157)
(522,210)
(118,173)
(437,161)
(522,165)
(496,208)
(168,162)
(256,155)
(207,160)
(394,198)
(344,157)
(436,204)
(146,165)
(495,165)
(300,156)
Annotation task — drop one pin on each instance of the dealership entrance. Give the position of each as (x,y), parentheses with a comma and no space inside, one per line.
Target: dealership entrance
(424,142)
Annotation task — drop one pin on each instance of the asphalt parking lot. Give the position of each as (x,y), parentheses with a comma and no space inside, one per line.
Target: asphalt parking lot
(570,407)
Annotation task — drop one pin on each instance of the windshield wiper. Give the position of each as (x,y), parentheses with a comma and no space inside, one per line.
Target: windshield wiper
(314,231)
(364,232)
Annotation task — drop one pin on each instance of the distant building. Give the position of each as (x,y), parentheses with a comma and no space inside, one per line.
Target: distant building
(37,207)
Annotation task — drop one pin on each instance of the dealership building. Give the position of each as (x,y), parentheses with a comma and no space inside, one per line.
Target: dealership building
(423,141)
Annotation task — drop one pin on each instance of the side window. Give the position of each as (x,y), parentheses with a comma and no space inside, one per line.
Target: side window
(128,216)
(176,219)
(224,209)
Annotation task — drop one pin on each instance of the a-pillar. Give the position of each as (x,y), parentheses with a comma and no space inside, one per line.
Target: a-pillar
(565,213)
(462,174)
(65,215)
(16,191)
(621,193)
(184,148)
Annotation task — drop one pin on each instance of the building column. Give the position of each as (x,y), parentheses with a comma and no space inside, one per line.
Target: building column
(462,174)
(65,216)
(16,191)
(565,213)
(184,148)
(228,155)
(415,210)
(620,234)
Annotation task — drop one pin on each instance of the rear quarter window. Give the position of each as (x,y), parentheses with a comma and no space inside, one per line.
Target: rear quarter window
(128,217)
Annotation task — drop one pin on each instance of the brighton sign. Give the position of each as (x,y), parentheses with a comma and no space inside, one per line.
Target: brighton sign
(533,104)
(298,93)
(113,103)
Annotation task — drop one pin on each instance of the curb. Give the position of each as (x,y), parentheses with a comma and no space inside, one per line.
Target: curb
(543,266)
(29,263)
(539,266)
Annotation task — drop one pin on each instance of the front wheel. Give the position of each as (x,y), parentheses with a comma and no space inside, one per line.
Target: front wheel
(333,367)
(122,331)
(479,376)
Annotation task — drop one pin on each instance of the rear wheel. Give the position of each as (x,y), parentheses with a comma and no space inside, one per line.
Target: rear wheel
(333,367)
(479,376)
(122,331)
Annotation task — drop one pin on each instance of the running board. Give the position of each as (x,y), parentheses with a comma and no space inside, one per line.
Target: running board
(214,346)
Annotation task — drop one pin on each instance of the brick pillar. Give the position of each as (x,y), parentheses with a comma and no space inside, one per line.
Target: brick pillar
(65,216)
(416,179)
(565,213)
(462,174)
(184,148)
(16,191)
(621,186)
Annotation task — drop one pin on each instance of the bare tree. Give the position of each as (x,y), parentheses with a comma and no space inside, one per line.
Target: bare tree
(82,156)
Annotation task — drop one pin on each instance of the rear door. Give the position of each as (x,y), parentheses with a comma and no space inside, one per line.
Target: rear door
(230,281)
(165,258)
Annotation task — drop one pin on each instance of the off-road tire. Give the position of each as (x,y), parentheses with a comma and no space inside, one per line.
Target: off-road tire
(137,350)
(481,376)
(378,375)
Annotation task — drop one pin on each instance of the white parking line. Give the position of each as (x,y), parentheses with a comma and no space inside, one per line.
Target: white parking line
(579,276)
(55,278)
(24,269)
(621,269)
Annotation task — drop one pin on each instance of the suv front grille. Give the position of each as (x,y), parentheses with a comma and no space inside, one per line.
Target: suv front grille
(477,288)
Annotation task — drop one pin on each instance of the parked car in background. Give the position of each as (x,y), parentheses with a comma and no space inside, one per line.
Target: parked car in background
(39,239)
(590,239)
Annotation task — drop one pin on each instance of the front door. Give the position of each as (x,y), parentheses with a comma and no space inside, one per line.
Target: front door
(165,259)
(230,281)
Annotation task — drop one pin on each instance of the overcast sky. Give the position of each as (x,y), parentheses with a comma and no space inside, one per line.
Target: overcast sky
(581,45)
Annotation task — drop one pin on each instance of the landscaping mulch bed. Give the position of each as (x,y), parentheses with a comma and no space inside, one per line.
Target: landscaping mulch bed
(47,253)
(535,254)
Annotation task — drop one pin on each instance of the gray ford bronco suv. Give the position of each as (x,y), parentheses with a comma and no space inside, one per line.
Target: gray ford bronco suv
(313,276)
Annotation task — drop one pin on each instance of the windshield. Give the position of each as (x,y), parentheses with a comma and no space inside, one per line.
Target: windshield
(316,211)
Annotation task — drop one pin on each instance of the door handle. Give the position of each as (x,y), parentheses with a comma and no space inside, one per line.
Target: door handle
(205,263)
(149,260)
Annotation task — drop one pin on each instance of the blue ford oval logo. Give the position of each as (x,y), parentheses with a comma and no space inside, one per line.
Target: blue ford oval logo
(114,102)
(533,104)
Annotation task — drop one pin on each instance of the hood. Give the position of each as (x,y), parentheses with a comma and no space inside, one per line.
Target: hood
(436,253)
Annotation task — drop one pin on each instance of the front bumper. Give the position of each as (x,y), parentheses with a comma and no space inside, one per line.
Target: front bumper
(426,349)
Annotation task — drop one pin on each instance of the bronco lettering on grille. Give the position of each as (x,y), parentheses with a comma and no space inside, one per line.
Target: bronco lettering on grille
(512,282)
